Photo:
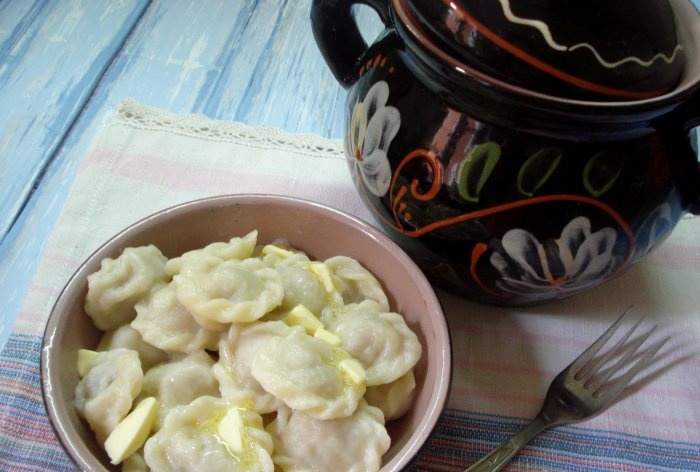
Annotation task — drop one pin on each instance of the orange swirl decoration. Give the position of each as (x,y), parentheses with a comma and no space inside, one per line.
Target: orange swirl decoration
(398,208)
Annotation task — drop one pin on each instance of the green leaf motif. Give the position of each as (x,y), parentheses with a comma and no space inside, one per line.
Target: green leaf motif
(476,168)
(601,172)
(537,169)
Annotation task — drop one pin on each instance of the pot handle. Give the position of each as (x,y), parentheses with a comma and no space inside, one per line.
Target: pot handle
(338,37)
(679,127)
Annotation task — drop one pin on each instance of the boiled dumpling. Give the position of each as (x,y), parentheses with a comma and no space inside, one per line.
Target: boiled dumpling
(355,282)
(180,381)
(217,291)
(302,371)
(189,441)
(120,283)
(301,288)
(105,394)
(393,398)
(381,341)
(134,463)
(236,248)
(236,353)
(165,323)
(352,444)
(127,337)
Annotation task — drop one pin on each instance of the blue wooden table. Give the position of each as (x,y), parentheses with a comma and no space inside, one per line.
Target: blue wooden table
(65,65)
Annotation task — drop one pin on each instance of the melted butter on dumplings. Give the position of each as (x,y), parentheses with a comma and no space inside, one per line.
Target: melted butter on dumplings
(381,341)
(303,372)
(260,358)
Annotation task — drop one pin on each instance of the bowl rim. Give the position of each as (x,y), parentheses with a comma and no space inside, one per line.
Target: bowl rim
(69,438)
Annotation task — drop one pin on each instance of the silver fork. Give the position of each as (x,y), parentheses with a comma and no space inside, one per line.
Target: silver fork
(580,391)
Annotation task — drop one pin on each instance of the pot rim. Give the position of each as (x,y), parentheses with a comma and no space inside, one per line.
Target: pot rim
(689,84)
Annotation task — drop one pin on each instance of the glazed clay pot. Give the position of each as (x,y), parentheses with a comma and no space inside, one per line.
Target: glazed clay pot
(515,157)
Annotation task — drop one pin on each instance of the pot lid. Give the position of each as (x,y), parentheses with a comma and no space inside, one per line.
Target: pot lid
(595,49)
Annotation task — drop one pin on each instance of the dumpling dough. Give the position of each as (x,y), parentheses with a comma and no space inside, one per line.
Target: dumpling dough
(301,287)
(105,395)
(217,291)
(180,381)
(301,371)
(381,341)
(236,353)
(356,282)
(393,398)
(120,283)
(127,337)
(165,323)
(188,441)
(236,248)
(352,444)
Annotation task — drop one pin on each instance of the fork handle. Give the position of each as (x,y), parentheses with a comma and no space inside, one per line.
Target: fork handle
(502,454)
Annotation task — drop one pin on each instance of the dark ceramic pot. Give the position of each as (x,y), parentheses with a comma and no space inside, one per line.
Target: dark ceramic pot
(520,156)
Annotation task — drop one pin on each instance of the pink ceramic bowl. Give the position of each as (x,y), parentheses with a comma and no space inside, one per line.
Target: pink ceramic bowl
(315,229)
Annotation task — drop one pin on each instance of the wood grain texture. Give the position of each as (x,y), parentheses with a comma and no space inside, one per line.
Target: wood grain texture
(52,61)
(232,59)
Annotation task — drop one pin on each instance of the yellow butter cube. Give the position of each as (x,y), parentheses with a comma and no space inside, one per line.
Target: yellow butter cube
(85,359)
(230,430)
(302,316)
(330,338)
(131,433)
(272,249)
(323,274)
(353,369)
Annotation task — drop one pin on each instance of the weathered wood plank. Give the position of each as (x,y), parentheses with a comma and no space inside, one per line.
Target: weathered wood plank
(51,63)
(164,64)
(15,18)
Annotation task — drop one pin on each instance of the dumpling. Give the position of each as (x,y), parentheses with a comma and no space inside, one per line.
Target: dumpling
(381,341)
(127,337)
(165,323)
(134,463)
(352,444)
(180,381)
(119,283)
(302,371)
(217,291)
(356,282)
(393,398)
(236,248)
(105,394)
(301,288)
(236,353)
(189,441)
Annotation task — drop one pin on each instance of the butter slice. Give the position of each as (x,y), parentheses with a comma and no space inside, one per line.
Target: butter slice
(323,274)
(85,359)
(131,433)
(330,338)
(302,316)
(230,430)
(272,249)
(353,369)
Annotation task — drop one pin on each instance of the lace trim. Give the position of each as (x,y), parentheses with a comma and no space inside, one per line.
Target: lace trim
(139,116)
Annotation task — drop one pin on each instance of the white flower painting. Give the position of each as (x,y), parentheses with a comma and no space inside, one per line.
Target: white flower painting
(577,260)
(371,129)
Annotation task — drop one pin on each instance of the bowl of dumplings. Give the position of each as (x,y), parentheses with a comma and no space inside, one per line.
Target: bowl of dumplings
(246,332)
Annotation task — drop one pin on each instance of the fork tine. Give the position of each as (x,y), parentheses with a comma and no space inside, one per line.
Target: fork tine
(609,392)
(593,367)
(628,352)
(593,349)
